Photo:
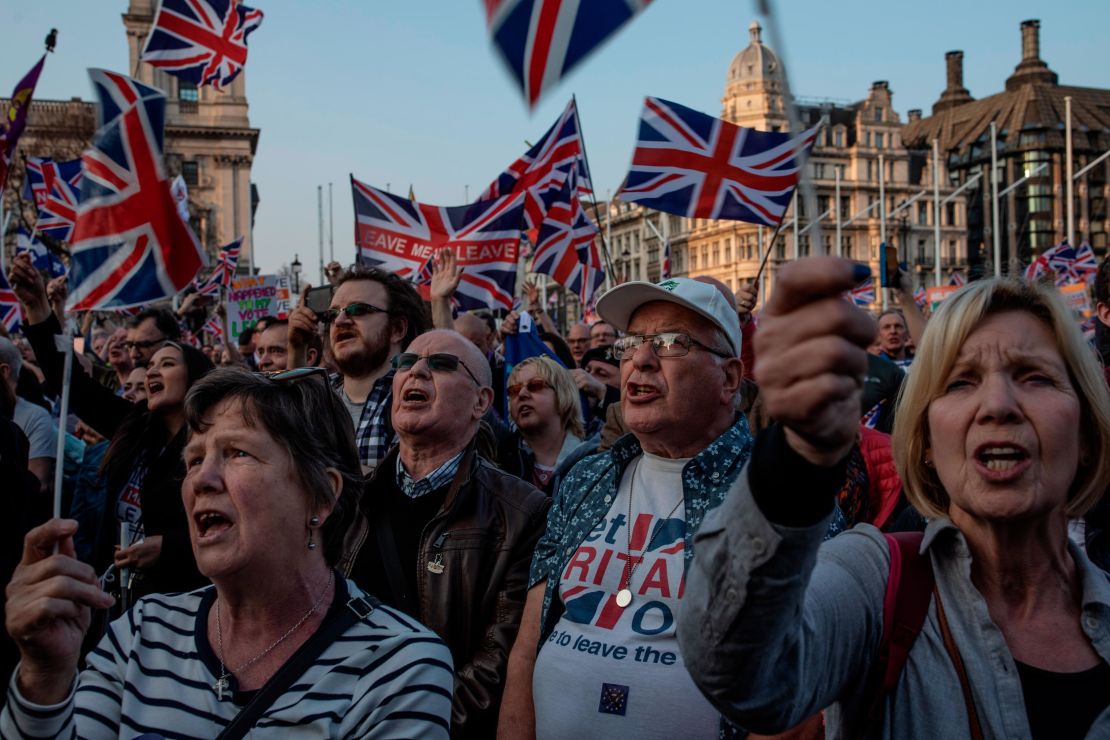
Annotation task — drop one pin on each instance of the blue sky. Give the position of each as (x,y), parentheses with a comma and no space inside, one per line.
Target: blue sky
(410,92)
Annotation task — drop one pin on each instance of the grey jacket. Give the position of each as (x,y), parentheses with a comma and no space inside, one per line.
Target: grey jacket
(776,626)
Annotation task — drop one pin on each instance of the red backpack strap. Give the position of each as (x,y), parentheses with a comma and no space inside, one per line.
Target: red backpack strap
(909,589)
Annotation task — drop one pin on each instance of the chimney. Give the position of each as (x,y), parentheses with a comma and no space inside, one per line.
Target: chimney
(914,114)
(1031,69)
(955,93)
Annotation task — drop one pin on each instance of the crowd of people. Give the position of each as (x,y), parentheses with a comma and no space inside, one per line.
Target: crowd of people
(685,519)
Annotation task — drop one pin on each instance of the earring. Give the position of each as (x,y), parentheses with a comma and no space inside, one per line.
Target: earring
(313,522)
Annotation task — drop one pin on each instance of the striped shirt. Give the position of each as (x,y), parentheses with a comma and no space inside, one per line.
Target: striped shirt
(154,671)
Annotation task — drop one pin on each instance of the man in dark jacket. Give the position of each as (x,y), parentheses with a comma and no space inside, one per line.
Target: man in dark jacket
(443,535)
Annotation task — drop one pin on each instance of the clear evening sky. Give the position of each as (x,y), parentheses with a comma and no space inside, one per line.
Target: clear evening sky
(404,92)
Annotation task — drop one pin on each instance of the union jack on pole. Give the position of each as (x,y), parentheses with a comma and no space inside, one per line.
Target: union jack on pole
(957,279)
(201,41)
(542,40)
(863,295)
(213,327)
(41,257)
(56,188)
(224,272)
(1072,264)
(566,251)
(921,298)
(665,267)
(11,313)
(399,235)
(540,172)
(130,246)
(692,164)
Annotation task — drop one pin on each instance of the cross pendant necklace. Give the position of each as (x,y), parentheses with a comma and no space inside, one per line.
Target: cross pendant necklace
(221,685)
(624,595)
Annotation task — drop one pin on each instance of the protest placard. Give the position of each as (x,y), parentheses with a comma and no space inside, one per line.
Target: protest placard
(251,298)
(936,295)
(1078,299)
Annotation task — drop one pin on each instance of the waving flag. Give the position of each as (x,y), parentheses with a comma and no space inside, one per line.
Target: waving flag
(213,327)
(400,235)
(224,272)
(957,279)
(863,295)
(540,173)
(56,187)
(1036,268)
(11,313)
(1072,264)
(180,192)
(566,250)
(202,41)
(921,298)
(665,265)
(692,164)
(15,119)
(130,246)
(542,40)
(41,257)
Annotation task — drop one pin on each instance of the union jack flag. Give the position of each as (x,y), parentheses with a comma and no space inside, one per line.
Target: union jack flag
(566,249)
(1072,264)
(870,420)
(41,257)
(213,327)
(224,272)
(201,41)
(400,235)
(11,313)
(863,295)
(542,40)
(130,247)
(921,298)
(692,164)
(187,335)
(14,119)
(957,279)
(540,173)
(207,288)
(56,188)
(665,267)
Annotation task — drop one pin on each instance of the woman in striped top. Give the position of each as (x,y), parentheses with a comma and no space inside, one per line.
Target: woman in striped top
(271,471)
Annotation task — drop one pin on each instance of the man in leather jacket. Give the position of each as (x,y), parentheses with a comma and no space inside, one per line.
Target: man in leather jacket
(443,535)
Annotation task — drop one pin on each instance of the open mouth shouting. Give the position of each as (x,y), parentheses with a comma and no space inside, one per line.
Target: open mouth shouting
(641,392)
(210,525)
(1002,460)
(154,386)
(415,396)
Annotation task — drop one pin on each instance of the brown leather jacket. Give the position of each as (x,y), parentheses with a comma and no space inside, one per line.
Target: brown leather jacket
(483,538)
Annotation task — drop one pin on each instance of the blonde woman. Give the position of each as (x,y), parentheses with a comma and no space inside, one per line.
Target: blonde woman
(1002,435)
(545,406)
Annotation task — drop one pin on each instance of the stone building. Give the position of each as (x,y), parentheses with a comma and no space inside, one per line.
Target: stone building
(208,140)
(1029,115)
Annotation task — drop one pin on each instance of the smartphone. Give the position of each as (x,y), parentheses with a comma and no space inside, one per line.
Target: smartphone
(319,299)
(888,267)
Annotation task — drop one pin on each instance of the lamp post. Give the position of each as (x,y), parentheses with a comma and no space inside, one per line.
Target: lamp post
(295,270)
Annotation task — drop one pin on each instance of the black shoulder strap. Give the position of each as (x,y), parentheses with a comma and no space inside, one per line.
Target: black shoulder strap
(340,621)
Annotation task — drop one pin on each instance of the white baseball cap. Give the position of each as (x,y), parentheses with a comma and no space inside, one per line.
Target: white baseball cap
(618,305)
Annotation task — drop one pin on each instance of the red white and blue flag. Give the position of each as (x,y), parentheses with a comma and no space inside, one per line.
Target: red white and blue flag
(665,265)
(41,257)
(213,327)
(539,174)
(56,188)
(957,279)
(129,246)
(14,119)
(201,41)
(224,272)
(566,251)
(1072,265)
(542,40)
(692,164)
(863,295)
(400,235)
(921,298)
(11,313)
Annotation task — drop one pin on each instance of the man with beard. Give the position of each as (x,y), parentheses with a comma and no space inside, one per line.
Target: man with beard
(373,314)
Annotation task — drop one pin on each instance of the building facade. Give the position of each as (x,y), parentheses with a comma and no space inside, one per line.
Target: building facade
(1030,123)
(208,140)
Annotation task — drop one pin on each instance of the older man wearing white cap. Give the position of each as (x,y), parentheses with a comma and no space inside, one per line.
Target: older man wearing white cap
(596,654)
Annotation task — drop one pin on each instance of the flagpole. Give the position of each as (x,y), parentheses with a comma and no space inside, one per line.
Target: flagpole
(320,227)
(836,209)
(756,282)
(882,219)
(995,236)
(66,344)
(770,247)
(609,277)
(590,177)
(936,212)
(331,228)
(794,225)
(1068,166)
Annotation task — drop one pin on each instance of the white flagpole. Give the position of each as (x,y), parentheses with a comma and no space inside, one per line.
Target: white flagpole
(608,236)
(331,228)
(795,226)
(836,209)
(995,236)
(320,227)
(882,220)
(64,343)
(1069,165)
(936,212)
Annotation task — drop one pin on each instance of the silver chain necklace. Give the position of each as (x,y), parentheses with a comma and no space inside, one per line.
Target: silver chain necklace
(223,683)
(624,596)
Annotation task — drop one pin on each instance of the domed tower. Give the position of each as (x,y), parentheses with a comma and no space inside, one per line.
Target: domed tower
(753,93)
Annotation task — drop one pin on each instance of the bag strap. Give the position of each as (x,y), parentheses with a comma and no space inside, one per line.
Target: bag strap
(338,621)
(909,588)
(974,727)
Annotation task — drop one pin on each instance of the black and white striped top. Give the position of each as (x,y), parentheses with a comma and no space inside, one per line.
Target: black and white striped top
(386,677)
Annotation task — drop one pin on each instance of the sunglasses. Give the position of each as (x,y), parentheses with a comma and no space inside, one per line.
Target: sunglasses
(437,362)
(295,374)
(534,386)
(144,344)
(352,310)
(665,344)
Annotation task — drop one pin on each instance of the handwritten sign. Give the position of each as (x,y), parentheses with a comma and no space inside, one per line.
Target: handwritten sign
(252,298)
(1078,299)
(936,295)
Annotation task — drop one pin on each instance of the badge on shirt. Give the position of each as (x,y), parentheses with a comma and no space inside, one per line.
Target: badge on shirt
(614,699)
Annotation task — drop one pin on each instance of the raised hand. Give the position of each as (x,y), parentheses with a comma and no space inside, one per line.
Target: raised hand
(532,292)
(446,274)
(302,325)
(746,296)
(811,354)
(588,384)
(50,598)
(508,324)
(30,288)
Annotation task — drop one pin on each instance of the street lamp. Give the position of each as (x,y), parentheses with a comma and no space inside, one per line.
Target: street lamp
(295,269)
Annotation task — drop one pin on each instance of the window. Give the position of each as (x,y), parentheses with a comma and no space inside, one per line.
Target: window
(190,172)
(845,208)
(878,140)
(728,249)
(879,115)
(187,91)
(950,213)
(870,170)
(838,137)
(923,214)
(867,138)
(846,243)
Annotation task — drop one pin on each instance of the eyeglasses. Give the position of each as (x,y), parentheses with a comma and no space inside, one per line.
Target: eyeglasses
(437,362)
(352,310)
(295,374)
(144,344)
(665,344)
(534,386)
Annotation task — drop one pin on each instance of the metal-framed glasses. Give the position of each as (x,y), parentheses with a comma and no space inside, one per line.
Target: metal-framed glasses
(440,362)
(352,310)
(144,344)
(664,344)
(294,374)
